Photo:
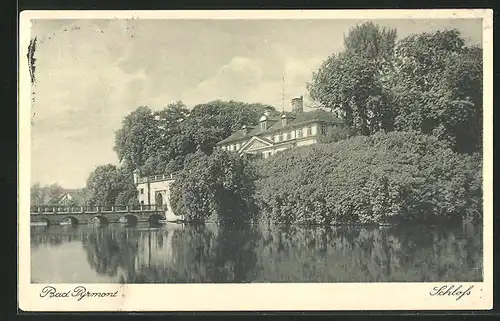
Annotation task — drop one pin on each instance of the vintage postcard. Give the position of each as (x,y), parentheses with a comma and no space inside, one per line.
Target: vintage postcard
(255,160)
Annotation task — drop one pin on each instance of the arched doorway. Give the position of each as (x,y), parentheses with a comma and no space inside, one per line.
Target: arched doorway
(159,200)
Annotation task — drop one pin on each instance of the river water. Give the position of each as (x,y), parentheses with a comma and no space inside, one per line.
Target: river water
(175,253)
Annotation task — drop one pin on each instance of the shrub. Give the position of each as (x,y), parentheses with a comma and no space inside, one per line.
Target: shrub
(216,188)
(383,178)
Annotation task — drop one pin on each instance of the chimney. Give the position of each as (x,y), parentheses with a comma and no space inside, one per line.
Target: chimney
(267,112)
(298,105)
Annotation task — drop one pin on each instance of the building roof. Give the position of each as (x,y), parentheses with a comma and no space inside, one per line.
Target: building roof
(275,124)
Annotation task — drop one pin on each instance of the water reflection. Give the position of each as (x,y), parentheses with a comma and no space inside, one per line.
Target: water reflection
(209,253)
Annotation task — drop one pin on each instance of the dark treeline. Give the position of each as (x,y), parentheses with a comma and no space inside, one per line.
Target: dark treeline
(410,149)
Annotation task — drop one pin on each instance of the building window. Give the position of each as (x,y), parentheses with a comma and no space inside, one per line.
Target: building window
(309,131)
(142,190)
(299,133)
(323,129)
(263,125)
(281,137)
(288,136)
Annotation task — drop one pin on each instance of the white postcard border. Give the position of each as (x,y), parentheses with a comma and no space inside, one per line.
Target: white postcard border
(258,296)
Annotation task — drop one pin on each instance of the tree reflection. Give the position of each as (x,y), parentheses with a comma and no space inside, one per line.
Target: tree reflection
(109,249)
(199,254)
(220,254)
(369,254)
(235,258)
(53,235)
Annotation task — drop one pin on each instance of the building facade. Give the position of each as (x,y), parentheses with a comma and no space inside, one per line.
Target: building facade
(153,190)
(274,134)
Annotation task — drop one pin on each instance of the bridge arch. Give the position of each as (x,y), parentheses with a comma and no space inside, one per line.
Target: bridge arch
(42,220)
(70,219)
(129,219)
(98,220)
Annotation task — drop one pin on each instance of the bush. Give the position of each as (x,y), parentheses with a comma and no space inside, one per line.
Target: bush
(215,188)
(383,178)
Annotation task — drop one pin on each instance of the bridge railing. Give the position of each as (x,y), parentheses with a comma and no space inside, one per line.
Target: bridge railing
(47,209)
(156,178)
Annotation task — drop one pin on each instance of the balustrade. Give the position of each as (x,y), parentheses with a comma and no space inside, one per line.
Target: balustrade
(155,178)
(51,210)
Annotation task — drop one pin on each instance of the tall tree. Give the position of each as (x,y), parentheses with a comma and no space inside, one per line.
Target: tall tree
(138,138)
(127,191)
(370,41)
(352,83)
(437,88)
(108,184)
(169,140)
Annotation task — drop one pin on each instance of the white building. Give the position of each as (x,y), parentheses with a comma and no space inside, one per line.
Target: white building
(277,133)
(153,190)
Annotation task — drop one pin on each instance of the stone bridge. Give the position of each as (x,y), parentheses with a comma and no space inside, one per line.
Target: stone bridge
(73,215)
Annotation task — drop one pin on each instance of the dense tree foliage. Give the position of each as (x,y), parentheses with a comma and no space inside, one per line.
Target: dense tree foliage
(370,41)
(351,83)
(45,194)
(429,82)
(108,185)
(158,142)
(437,88)
(217,187)
(388,178)
(137,138)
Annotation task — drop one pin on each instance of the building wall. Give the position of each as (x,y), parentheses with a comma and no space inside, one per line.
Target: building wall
(147,191)
(286,135)
(306,142)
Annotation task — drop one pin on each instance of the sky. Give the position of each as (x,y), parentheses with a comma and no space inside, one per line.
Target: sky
(92,73)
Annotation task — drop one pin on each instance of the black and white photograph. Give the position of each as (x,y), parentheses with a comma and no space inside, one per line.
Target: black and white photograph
(260,149)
